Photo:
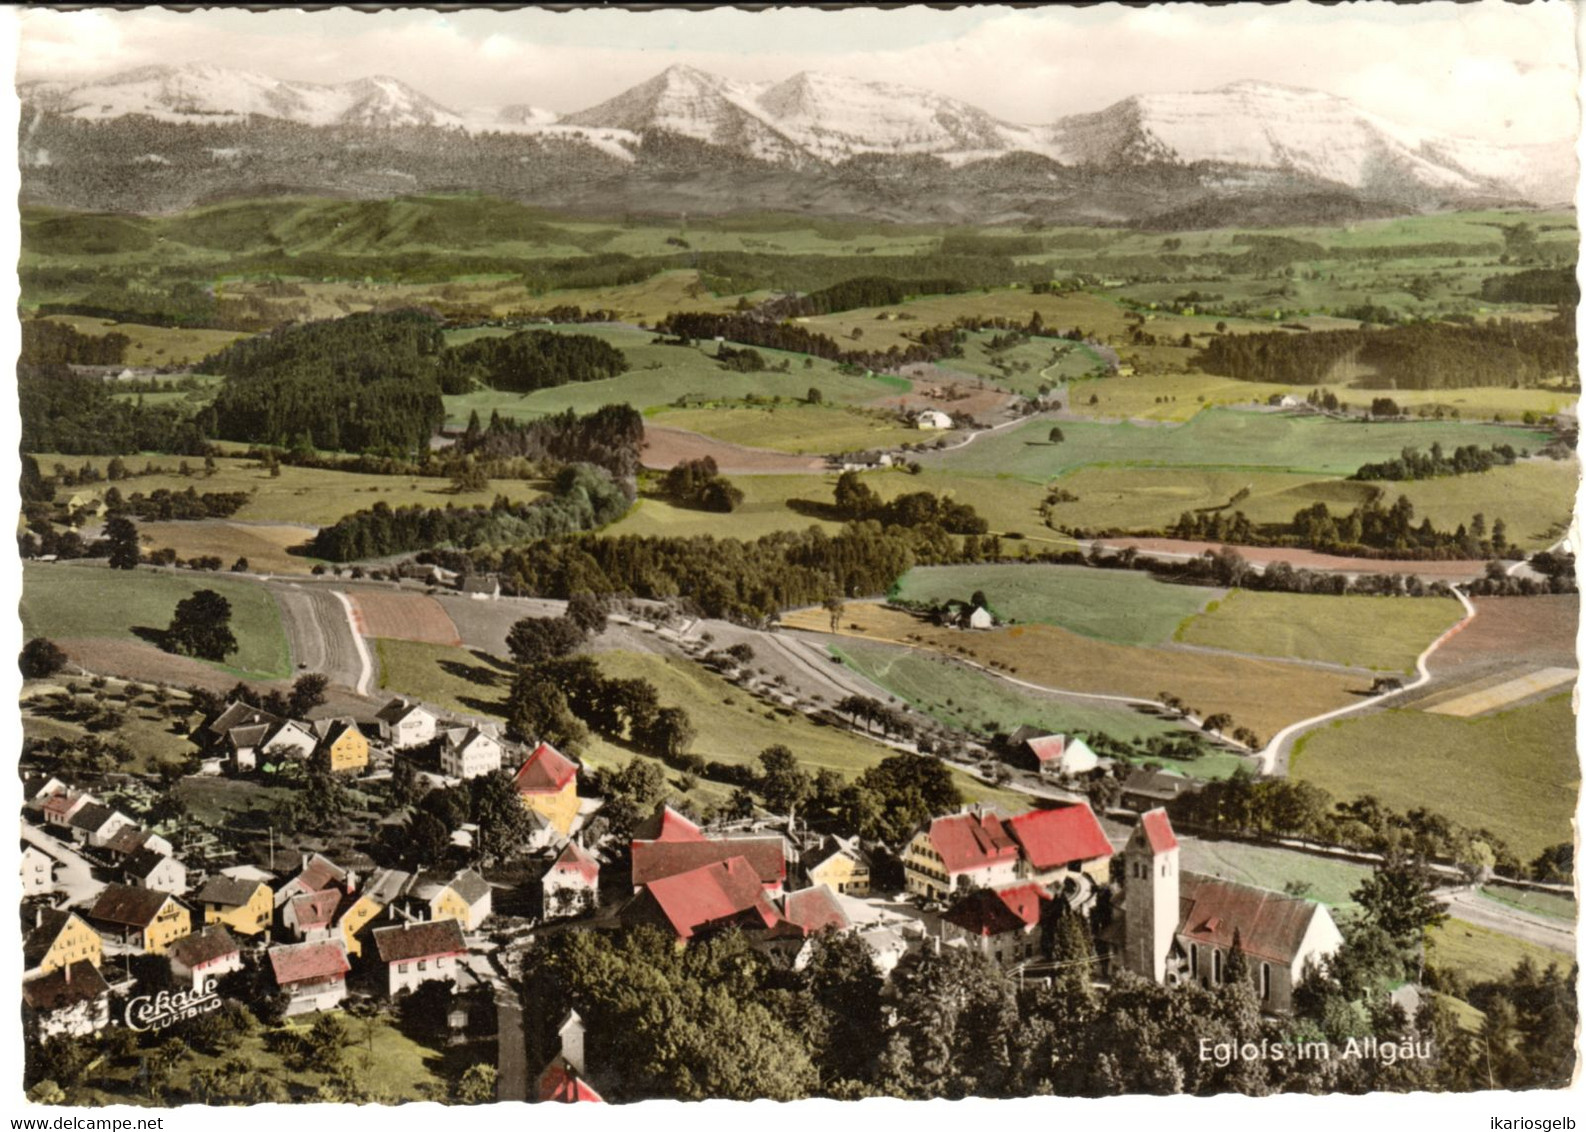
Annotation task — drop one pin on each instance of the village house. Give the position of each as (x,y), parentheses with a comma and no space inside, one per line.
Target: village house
(132,839)
(243,735)
(1061,841)
(766,855)
(464,896)
(142,917)
(72,1000)
(964,850)
(96,823)
(468,752)
(37,871)
(1152,789)
(314,974)
(288,740)
(1181,927)
(1054,756)
(705,900)
(547,783)
(813,910)
(1003,924)
(345,746)
(243,907)
(481,587)
(419,953)
(932,419)
(571,884)
(309,916)
(840,864)
(409,724)
(148,869)
(58,938)
(316,874)
(204,955)
(58,808)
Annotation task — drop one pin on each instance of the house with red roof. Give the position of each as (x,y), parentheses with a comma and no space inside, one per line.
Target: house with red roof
(415,954)
(1067,839)
(1054,755)
(813,910)
(666,824)
(310,915)
(1002,923)
(1179,927)
(971,849)
(707,899)
(313,974)
(547,784)
(766,854)
(571,885)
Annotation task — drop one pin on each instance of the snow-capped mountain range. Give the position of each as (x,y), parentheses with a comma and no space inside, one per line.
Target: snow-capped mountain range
(814,121)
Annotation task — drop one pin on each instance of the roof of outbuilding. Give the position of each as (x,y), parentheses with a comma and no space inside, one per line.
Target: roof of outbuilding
(666,824)
(143,863)
(214,942)
(561,1082)
(1054,838)
(989,912)
(814,909)
(227,892)
(299,962)
(316,909)
(656,860)
(710,894)
(65,986)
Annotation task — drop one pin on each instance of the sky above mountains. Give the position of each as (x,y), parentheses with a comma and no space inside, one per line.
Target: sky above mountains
(1501,72)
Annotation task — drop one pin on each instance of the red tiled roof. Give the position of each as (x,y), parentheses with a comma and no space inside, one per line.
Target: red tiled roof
(656,860)
(1158,830)
(419,941)
(1054,838)
(65,986)
(560,1082)
(814,909)
(972,841)
(316,909)
(666,824)
(300,962)
(573,859)
(319,874)
(1048,747)
(989,912)
(711,894)
(1271,925)
(545,771)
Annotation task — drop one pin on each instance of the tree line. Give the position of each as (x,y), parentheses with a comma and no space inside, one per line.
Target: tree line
(529,360)
(1413,464)
(60,343)
(77,415)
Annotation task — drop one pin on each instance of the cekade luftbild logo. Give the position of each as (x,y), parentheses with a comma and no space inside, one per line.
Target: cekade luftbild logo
(158,1011)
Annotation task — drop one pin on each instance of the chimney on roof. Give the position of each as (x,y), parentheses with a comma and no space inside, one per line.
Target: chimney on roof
(38,916)
(68,969)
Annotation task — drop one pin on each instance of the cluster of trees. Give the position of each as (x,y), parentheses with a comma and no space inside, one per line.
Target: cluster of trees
(529,360)
(367,382)
(1432,355)
(164,504)
(608,438)
(77,415)
(930,344)
(698,483)
(59,343)
(1370,530)
(856,501)
(866,291)
(583,497)
(201,627)
(1554,286)
(1412,464)
(554,699)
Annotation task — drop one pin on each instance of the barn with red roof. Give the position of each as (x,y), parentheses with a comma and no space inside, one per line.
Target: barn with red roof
(766,855)
(1067,839)
(706,899)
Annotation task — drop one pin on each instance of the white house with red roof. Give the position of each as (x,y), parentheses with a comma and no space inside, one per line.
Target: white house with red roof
(415,954)
(1054,842)
(313,974)
(1003,924)
(1182,927)
(1055,755)
(971,849)
(571,885)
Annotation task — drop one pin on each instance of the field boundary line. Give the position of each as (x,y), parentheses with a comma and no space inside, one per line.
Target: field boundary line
(365,662)
(1269,754)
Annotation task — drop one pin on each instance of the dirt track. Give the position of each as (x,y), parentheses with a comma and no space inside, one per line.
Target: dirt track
(316,627)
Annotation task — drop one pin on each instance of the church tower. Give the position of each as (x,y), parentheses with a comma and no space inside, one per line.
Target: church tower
(1150,895)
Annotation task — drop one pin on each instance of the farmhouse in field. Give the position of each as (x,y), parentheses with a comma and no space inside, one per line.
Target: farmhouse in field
(1054,756)
(932,419)
(1179,927)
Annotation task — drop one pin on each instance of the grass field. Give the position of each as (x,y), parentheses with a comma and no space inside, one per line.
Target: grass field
(764,510)
(1263,695)
(1382,633)
(1514,772)
(1550,904)
(264,545)
(1534,498)
(297,495)
(1483,955)
(794,427)
(145,730)
(1222,438)
(61,601)
(1330,881)
(962,697)
(154,345)
(1111,497)
(1124,606)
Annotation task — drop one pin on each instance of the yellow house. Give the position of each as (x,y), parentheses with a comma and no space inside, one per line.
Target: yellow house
(244,907)
(548,784)
(60,938)
(363,909)
(142,917)
(347,746)
(464,897)
(841,865)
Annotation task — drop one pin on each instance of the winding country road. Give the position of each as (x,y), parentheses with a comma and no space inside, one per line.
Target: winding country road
(1470,906)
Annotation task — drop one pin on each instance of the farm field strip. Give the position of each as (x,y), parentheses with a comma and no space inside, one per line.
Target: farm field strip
(403,617)
(1509,692)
